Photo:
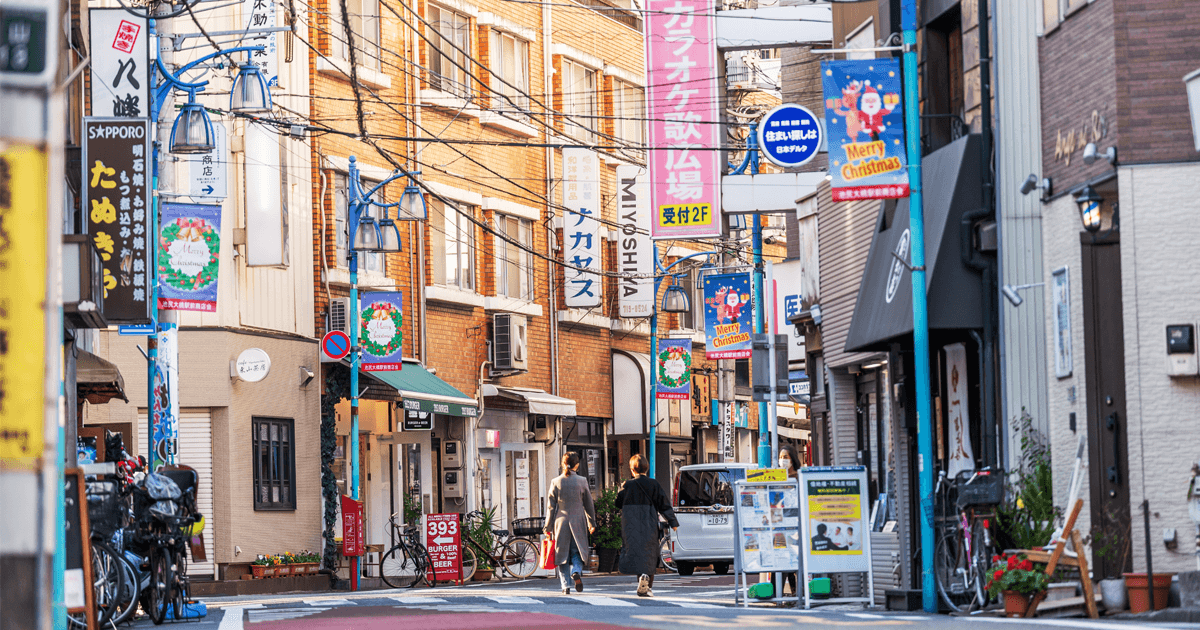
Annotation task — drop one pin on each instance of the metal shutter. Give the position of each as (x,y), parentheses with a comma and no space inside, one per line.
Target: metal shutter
(195,450)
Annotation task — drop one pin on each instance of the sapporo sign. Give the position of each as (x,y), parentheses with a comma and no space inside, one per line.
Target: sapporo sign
(116,203)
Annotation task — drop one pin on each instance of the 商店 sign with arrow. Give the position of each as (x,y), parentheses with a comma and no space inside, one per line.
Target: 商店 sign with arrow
(207,172)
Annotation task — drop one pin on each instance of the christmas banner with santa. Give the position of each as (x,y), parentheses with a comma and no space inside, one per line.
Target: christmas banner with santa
(864,125)
(728,316)
(381,331)
(189,248)
(673,369)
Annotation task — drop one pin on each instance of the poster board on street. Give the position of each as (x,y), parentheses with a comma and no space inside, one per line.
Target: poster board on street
(766,525)
(836,527)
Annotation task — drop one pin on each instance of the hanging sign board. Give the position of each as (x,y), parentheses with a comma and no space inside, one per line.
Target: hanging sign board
(635,250)
(207,172)
(581,227)
(189,257)
(673,369)
(443,540)
(116,204)
(865,122)
(165,436)
(728,316)
(252,365)
(789,135)
(120,67)
(417,420)
(681,73)
(381,331)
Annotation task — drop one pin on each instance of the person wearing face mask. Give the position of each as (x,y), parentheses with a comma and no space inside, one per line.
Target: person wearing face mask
(789,461)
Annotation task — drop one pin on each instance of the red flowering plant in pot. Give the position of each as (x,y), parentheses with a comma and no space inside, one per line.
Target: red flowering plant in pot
(1018,579)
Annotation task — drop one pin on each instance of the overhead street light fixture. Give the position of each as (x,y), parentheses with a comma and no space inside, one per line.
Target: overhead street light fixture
(193,129)
(250,94)
(676,300)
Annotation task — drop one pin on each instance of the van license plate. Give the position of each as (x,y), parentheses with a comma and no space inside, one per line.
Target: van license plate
(717,519)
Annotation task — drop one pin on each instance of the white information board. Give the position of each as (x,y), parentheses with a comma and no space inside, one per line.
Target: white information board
(766,521)
(835,525)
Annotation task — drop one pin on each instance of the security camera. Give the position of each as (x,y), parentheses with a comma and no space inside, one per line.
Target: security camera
(1089,153)
(1012,295)
(1030,184)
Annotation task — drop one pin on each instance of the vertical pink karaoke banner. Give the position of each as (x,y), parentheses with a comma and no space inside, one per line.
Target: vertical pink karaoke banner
(685,169)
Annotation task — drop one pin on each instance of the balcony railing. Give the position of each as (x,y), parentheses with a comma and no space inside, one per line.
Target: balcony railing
(748,72)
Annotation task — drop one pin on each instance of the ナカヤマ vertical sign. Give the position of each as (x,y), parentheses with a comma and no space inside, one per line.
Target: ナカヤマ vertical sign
(685,169)
(116,206)
(864,120)
(635,252)
(443,540)
(581,227)
(23,225)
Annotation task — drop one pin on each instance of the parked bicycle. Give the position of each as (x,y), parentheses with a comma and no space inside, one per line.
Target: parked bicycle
(515,555)
(964,542)
(407,563)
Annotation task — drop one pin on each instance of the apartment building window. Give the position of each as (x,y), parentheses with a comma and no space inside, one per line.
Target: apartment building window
(274,453)
(453,239)
(364,24)
(693,285)
(943,81)
(579,100)
(1055,11)
(514,265)
(451,49)
(629,109)
(510,72)
(370,262)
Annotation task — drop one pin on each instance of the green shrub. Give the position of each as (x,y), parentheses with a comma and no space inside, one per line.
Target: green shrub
(608,517)
(1026,519)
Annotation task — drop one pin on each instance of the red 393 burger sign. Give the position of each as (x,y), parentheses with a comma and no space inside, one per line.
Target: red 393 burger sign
(443,539)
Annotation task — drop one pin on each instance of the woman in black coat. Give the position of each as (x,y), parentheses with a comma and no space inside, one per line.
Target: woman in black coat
(641,500)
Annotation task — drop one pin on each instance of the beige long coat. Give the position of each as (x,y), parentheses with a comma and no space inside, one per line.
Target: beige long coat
(571,514)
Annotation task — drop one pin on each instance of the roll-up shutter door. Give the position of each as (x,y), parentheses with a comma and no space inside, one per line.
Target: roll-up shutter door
(195,450)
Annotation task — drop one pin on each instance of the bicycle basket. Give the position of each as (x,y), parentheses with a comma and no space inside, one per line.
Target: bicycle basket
(103,506)
(987,489)
(532,526)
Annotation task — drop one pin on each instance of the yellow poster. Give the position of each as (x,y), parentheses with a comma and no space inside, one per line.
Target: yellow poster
(23,181)
(758,475)
(835,517)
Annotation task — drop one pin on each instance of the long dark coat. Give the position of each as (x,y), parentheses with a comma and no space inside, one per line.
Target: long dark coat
(641,500)
(571,515)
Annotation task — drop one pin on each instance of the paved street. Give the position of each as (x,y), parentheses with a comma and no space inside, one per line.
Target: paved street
(701,601)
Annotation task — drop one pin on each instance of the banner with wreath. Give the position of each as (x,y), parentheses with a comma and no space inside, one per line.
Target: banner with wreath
(673,369)
(189,255)
(381,331)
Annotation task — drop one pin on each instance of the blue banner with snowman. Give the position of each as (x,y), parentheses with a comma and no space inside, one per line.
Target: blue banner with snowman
(864,125)
(728,316)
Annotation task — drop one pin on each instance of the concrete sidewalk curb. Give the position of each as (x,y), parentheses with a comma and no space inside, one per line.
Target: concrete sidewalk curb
(1167,615)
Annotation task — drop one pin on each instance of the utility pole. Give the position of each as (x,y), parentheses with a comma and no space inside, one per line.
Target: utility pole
(912,125)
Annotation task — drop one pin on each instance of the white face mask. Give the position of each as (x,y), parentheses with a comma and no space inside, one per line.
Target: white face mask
(785,463)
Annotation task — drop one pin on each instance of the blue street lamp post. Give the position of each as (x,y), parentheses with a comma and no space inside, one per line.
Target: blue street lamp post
(675,301)
(367,235)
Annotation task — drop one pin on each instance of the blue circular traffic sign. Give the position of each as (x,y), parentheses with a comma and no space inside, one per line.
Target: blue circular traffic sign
(335,344)
(789,135)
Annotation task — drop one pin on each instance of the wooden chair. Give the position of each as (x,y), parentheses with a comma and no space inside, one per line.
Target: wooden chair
(1056,557)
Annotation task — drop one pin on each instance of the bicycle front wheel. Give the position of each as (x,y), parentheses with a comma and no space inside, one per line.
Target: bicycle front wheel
(399,569)
(954,574)
(469,563)
(520,558)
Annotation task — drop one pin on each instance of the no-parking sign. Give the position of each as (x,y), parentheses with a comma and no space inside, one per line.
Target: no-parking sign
(335,345)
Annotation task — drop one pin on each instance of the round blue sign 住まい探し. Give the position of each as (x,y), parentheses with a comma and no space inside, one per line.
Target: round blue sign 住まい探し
(789,135)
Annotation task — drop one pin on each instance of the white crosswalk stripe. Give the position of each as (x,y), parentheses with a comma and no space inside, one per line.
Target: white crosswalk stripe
(605,601)
(864,616)
(232,619)
(332,601)
(509,599)
(695,605)
(282,614)
(418,600)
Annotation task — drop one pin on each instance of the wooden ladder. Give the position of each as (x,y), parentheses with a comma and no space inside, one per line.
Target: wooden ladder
(1056,557)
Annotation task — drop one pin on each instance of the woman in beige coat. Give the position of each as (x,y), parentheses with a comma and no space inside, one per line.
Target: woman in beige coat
(572,517)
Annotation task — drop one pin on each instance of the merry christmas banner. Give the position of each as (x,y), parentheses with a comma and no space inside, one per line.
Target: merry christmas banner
(381,331)
(864,126)
(673,369)
(189,248)
(728,316)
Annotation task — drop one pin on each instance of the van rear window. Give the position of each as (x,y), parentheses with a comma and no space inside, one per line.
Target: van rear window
(705,488)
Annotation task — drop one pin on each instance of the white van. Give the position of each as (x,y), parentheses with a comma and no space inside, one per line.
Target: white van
(703,501)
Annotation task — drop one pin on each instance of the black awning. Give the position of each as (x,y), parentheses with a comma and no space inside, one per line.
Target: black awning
(98,380)
(883,311)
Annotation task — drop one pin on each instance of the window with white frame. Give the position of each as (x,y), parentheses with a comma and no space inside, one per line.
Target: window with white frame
(450,50)
(579,100)
(514,264)
(369,262)
(692,284)
(510,71)
(452,237)
(629,107)
(364,25)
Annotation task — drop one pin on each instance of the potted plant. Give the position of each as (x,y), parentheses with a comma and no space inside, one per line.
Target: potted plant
(1018,579)
(263,567)
(1114,547)
(607,538)
(480,531)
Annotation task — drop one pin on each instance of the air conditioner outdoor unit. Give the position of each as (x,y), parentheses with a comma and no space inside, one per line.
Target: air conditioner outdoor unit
(510,341)
(339,315)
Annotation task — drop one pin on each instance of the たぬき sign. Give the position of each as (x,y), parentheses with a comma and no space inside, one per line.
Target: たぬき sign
(381,331)
(189,257)
(673,369)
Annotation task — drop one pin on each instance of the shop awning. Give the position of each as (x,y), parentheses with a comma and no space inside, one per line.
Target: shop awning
(423,391)
(883,311)
(97,380)
(538,400)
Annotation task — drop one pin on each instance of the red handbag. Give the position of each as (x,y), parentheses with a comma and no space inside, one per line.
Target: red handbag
(548,553)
